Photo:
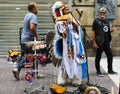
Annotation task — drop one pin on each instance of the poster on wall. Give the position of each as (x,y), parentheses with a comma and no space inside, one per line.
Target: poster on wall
(110,5)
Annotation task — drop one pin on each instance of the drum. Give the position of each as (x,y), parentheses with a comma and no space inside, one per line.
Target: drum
(36,45)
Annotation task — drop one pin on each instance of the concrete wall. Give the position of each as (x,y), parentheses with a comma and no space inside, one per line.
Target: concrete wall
(88,7)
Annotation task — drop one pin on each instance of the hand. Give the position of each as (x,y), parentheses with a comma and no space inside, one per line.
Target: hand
(69,21)
(65,35)
(37,38)
(113,29)
(95,45)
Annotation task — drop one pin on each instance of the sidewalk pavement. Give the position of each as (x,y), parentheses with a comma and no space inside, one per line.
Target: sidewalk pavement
(116,68)
(9,85)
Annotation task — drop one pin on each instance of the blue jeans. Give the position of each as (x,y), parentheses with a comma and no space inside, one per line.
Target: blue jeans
(22,60)
(21,64)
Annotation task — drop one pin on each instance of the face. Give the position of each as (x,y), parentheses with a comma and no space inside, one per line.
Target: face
(35,10)
(66,10)
(102,14)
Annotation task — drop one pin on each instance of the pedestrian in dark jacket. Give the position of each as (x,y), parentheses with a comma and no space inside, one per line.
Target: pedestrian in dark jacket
(101,37)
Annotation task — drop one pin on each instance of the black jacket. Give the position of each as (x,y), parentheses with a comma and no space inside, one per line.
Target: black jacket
(102,31)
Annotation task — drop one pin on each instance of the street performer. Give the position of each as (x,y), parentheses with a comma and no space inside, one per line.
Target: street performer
(67,47)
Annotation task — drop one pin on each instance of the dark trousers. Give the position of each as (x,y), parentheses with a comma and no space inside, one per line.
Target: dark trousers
(106,48)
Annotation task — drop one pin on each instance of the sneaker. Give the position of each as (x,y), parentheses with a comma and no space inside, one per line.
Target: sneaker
(16,74)
(112,72)
(99,74)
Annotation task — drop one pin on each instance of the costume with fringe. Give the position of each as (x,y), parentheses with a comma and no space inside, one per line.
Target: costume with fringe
(70,64)
(67,48)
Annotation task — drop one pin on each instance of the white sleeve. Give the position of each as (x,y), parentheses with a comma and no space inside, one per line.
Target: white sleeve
(60,28)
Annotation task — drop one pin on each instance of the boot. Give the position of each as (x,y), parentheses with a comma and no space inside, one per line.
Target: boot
(76,81)
(62,78)
(110,69)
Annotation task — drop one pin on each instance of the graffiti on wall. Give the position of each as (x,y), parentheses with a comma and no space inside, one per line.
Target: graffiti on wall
(111,6)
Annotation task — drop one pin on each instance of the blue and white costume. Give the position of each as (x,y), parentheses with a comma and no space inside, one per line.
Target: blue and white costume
(69,48)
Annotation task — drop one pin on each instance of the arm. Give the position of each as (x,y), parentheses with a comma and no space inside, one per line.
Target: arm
(33,30)
(93,34)
(93,40)
(61,29)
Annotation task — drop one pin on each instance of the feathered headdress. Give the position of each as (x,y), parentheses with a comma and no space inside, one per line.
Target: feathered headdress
(57,8)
